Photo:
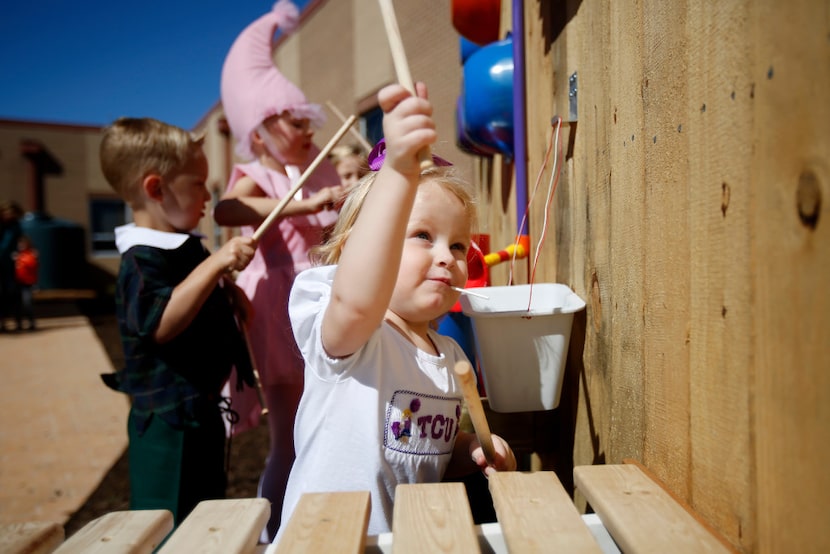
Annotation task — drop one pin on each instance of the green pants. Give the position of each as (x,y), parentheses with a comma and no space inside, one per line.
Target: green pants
(175,469)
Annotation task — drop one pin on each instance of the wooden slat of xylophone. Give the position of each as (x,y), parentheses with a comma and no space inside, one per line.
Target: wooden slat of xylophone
(433,518)
(133,532)
(334,523)
(30,538)
(639,514)
(537,515)
(230,526)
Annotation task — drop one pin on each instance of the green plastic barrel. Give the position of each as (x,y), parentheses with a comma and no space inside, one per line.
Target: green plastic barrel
(61,248)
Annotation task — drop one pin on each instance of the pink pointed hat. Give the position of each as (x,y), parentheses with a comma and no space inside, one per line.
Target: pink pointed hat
(252,87)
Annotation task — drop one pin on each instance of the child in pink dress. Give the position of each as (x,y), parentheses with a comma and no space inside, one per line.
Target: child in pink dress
(273,124)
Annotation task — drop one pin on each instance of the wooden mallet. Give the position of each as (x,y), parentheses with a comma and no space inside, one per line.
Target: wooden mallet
(259,391)
(355,133)
(401,65)
(466,377)
(303,178)
(243,328)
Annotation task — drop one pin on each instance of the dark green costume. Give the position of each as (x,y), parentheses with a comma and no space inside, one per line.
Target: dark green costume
(177,437)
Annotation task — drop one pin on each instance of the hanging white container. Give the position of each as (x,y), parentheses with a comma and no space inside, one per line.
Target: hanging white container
(522,334)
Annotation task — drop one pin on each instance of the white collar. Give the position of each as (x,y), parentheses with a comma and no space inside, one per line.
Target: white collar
(127,236)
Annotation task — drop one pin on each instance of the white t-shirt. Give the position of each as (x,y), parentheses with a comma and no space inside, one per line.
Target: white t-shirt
(387,414)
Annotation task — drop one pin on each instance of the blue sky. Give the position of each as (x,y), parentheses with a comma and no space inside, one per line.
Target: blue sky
(92,61)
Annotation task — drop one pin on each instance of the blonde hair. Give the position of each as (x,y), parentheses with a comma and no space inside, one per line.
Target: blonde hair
(132,148)
(343,151)
(446,177)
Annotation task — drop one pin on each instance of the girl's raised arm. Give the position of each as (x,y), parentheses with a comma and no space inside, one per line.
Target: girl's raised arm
(368,267)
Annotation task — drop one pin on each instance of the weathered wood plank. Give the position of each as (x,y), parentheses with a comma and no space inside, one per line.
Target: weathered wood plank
(594,188)
(231,526)
(640,515)
(720,188)
(333,522)
(666,279)
(537,515)
(433,517)
(625,229)
(790,227)
(30,538)
(127,532)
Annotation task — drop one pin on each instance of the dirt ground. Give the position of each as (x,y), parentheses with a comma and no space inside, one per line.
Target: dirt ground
(248,453)
(248,450)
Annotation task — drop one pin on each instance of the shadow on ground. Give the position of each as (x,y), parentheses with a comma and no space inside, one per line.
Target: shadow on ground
(248,450)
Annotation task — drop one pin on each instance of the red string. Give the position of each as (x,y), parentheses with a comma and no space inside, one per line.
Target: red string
(557,170)
(527,208)
(555,134)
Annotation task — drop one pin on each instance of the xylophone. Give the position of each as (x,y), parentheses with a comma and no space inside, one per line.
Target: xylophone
(634,513)
(535,515)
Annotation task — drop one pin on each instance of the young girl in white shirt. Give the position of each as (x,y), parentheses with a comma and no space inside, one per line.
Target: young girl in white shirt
(380,405)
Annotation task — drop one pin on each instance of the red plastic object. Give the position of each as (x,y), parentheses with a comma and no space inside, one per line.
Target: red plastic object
(477,20)
(478,272)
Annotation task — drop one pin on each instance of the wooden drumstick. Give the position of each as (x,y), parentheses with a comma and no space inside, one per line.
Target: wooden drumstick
(303,178)
(401,65)
(243,328)
(355,133)
(257,380)
(466,377)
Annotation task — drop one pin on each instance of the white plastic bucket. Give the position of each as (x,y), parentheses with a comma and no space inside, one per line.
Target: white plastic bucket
(522,351)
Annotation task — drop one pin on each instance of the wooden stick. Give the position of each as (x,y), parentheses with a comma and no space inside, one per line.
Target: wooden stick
(303,178)
(243,328)
(465,375)
(360,138)
(401,65)
(260,394)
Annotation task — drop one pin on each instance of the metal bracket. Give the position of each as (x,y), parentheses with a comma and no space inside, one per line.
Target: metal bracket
(572,98)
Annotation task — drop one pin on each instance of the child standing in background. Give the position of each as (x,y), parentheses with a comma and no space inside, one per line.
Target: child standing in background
(10,231)
(273,124)
(381,406)
(175,308)
(25,272)
(350,163)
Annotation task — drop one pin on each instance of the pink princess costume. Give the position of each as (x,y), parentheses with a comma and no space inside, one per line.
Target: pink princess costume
(281,254)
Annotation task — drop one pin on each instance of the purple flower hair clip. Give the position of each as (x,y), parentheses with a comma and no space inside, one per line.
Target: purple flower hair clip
(378,155)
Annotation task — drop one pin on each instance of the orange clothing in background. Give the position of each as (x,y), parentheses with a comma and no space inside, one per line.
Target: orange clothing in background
(25,267)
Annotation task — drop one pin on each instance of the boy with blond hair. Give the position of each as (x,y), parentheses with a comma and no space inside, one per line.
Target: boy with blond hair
(175,306)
